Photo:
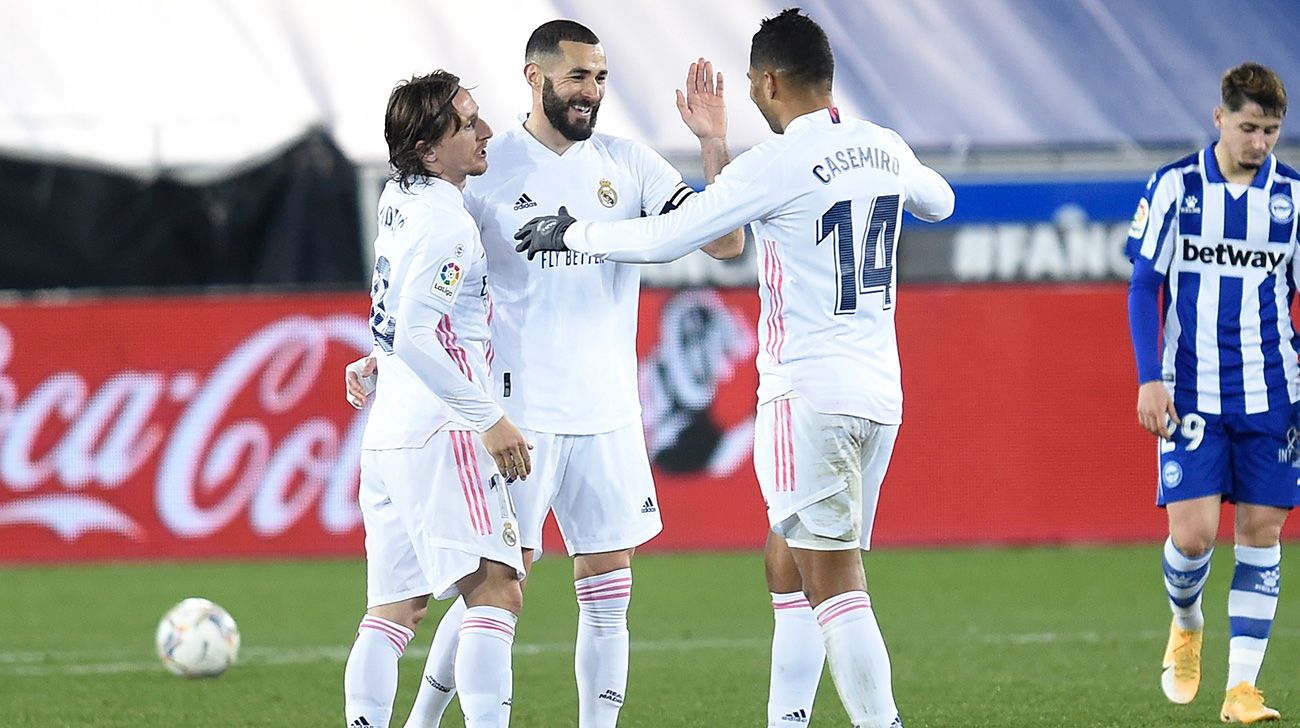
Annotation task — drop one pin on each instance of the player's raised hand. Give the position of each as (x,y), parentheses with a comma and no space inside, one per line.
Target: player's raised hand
(1155,409)
(507,446)
(361,377)
(545,233)
(702,106)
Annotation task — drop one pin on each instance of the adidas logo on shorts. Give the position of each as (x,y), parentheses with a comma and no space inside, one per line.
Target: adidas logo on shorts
(524,202)
(649,506)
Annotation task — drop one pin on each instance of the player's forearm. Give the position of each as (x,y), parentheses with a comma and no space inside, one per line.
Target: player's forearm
(416,343)
(1144,320)
(714,154)
(720,209)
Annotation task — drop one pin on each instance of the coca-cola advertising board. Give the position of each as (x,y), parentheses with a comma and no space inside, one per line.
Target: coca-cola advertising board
(179,427)
(215,426)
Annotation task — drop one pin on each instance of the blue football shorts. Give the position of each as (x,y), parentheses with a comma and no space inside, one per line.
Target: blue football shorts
(1241,458)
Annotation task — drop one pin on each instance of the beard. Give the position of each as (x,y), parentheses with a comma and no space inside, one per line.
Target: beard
(557,112)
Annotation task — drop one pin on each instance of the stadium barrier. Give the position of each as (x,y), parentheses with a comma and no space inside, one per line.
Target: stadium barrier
(215,426)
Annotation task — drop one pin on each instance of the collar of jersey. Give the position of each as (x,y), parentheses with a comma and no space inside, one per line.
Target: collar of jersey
(1214,176)
(437,186)
(822,115)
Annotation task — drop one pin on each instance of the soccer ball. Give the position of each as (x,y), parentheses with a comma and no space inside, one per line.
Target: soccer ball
(197,638)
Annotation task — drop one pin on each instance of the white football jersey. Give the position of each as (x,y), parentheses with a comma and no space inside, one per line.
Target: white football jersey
(564,325)
(828,197)
(428,250)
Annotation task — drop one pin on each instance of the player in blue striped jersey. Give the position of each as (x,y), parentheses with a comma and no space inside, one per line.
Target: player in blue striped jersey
(1216,234)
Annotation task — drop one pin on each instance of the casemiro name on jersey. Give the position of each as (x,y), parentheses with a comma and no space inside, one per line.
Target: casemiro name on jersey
(854,158)
(1229,254)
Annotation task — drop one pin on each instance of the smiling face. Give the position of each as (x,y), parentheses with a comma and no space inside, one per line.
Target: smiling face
(461,153)
(1247,135)
(572,85)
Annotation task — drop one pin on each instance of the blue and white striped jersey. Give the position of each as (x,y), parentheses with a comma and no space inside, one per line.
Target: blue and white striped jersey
(1226,252)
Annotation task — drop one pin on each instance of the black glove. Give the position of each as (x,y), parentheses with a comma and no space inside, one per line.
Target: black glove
(544,233)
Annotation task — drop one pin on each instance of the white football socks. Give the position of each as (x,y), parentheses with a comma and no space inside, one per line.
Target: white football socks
(483,665)
(438,682)
(601,658)
(858,660)
(1184,579)
(1252,603)
(370,677)
(797,658)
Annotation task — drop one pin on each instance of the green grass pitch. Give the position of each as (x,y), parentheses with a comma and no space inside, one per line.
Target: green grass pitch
(981,637)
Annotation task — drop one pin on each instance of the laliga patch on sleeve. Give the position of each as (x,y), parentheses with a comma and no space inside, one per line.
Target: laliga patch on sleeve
(447,280)
(1139,226)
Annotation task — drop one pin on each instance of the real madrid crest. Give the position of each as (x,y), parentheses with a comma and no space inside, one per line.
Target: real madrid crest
(606,194)
(508,535)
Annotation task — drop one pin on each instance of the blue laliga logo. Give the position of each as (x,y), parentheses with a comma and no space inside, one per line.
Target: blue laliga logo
(1172,474)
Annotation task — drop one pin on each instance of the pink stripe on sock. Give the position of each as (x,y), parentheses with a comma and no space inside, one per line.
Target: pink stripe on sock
(486,623)
(844,607)
(605,597)
(792,604)
(399,639)
(603,590)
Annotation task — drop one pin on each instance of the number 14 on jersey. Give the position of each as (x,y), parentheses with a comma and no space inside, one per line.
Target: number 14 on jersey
(868,267)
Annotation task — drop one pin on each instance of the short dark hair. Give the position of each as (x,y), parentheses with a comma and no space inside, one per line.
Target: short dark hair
(795,45)
(1253,82)
(548,36)
(419,110)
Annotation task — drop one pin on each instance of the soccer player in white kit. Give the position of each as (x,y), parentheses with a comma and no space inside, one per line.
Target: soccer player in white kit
(437,515)
(564,330)
(827,196)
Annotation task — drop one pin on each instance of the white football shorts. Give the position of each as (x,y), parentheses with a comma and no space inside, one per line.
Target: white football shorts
(431,514)
(820,474)
(598,486)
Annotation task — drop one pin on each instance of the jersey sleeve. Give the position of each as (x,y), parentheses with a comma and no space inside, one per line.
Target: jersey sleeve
(662,188)
(746,190)
(1151,233)
(927,195)
(417,343)
(439,264)
(1150,249)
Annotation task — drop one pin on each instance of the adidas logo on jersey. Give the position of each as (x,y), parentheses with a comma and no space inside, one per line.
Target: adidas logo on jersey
(648,506)
(524,202)
(795,716)
(360,723)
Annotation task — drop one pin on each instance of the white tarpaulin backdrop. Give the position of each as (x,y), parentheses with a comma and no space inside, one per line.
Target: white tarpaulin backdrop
(148,84)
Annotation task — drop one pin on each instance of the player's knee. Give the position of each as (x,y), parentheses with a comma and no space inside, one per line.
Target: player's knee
(588,565)
(494,585)
(418,616)
(407,613)
(782,576)
(1259,533)
(1194,545)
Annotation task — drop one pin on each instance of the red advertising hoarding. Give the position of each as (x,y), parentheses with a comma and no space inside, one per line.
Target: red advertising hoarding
(205,426)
